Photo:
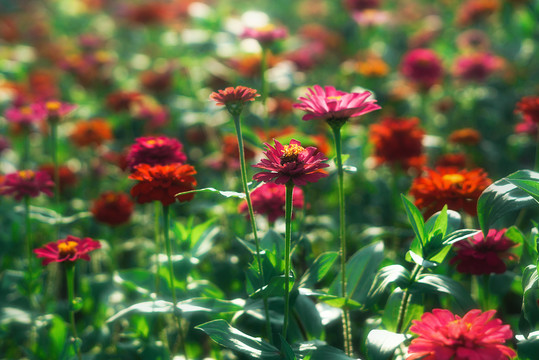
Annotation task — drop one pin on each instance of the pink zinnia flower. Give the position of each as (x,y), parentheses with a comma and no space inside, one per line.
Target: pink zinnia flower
(479,255)
(333,105)
(26,183)
(69,249)
(476,67)
(53,110)
(528,106)
(269,199)
(291,163)
(423,67)
(24,115)
(234,98)
(445,336)
(265,34)
(155,150)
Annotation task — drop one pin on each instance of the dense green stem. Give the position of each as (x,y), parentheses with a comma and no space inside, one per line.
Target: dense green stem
(28,234)
(70,277)
(347,333)
(26,149)
(157,234)
(287,241)
(406,298)
(54,153)
(237,125)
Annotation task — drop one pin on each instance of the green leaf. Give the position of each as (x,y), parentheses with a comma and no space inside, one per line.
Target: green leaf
(381,344)
(318,269)
(416,220)
(319,350)
(212,190)
(414,310)
(288,353)
(530,311)
(503,197)
(459,235)
(445,285)
(51,217)
(276,287)
(528,349)
(531,187)
(360,272)
(147,307)
(225,335)
(420,261)
(437,222)
(386,276)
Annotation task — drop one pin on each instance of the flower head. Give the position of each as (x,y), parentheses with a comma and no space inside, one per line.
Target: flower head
(24,115)
(459,189)
(162,183)
(479,255)
(53,110)
(291,163)
(444,336)
(465,136)
(112,208)
(265,34)
(122,100)
(476,67)
(234,98)
(69,249)
(335,106)
(155,150)
(528,106)
(458,160)
(269,199)
(473,11)
(91,133)
(67,178)
(398,141)
(423,67)
(26,183)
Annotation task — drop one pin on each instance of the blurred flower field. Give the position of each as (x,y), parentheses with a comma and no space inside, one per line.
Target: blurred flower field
(231,179)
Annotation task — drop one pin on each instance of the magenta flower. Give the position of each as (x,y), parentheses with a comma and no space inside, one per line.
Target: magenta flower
(269,199)
(476,67)
(479,255)
(27,183)
(24,115)
(291,163)
(265,34)
(155,150)
(330,104)
(444,336)
(423,67)
(69,249)
(53,110)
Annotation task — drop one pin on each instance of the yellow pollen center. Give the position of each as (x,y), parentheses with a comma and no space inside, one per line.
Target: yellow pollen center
(266,28)
(53,105)
(291,153)
(67,248)
(155,142)
(334,97)
(26,174)
(453,178)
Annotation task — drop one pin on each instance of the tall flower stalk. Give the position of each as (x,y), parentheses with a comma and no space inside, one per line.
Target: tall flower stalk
(336,108)
(234,100)
(70,278)
(287,247)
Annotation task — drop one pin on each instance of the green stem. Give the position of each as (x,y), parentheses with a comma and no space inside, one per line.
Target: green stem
(26,149)
(287,238)
(28,229)
(536,167)
(172,280)
(406,298)
(347,333)
(157,233)
(70,277)
(243,169)
(54,151)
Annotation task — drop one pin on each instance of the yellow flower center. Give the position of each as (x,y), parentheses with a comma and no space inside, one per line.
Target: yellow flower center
(155,142)
(26,110)
(53,105)
(291,153)
(334,98)
(67,248)
(26,174)
(453,178)
(266,28)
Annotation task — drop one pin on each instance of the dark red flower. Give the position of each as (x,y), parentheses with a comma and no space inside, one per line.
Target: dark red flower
(423,67)
(459,189)
(234,98)
(112,208)
(155,150)
(528,107)
(291,163)
(473,11)
(69,249)
(67,177)
(163,182)
(458,160)
(399,142)
(122,100)
(479,255)
(91,133)
(476,67)
(360,5)
(269,199)
(475,336)
(26,183)
(466,136)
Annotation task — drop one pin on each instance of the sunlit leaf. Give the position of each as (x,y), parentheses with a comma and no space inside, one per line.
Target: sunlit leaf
(445,285)
(318,269)
(212,190)
(416,219)
(381,344)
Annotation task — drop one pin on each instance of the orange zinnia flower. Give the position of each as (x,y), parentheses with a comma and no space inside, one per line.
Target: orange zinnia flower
(162,183)
(91,133)
(459,189)
(466,136)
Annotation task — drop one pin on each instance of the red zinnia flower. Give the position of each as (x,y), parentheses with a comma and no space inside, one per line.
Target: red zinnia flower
(26,183)
(479,255)
(112,208)
(333,105)
(459,189)
(291,163)
(269,199)
(234,98)
(466,136)
(69,249)
(444,336)
(163,182)
(155,150)
(122,100)
(398,141)
(528,106)
(458,160)
(473,11)
(423,67)
(91,133)
(360,5)
(67,177)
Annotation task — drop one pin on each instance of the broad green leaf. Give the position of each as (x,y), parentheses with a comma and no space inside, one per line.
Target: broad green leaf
(276,287)
(309,316)
(528,349)
(51,217)
(288,353)
(318,269)
(381,344)
(414,310)
(445,285)
(225,335)
(420,261)
(503,197)
(530,311)
(416,219)
(397,274)
(437,222)
(147,307)
(212,190)
(531,187)
(459,235)
(360,272)
(319,350)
